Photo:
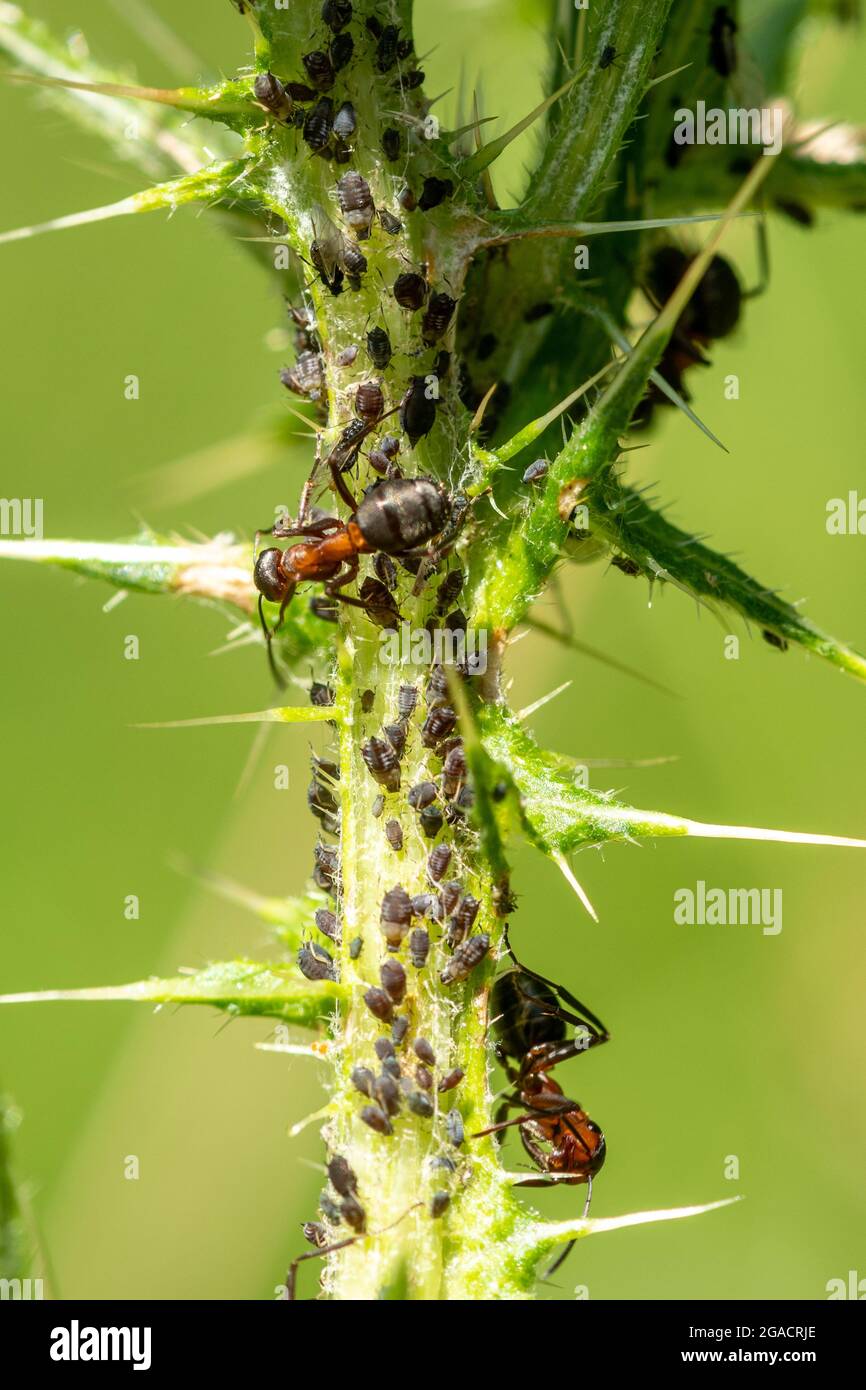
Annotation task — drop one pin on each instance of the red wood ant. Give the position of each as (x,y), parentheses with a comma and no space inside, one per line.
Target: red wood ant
(531,1025)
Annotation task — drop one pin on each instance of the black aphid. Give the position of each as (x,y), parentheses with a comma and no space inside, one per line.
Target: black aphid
(327,923)
(315,963)
(379,1003)
(395,916)
(393,978)
(410,289)
(392,143)
(454,1127)
(465,959)
(376,1118)
(270,93)
(394,834)
(440,722)
(419,947)
(437,317)
(382,763)
(420,1104)
(379,348)
(319,69)
(433,192)
(438,862)
(417,409)
(536,471)
(362,1080)
(451,1080)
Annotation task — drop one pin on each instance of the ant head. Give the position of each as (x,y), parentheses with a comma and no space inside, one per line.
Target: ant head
(268,575)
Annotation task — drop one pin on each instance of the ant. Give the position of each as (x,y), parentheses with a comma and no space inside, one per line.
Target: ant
(531,1026)
(397,516)
(323,1250)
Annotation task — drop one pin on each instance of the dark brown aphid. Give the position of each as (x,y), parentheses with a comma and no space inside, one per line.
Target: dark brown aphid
(336,14)
(353,262)
(383,1048)
(345,122)
(774,639)
(439,1204)
(410,290)
(454,771)
(340,51)
(424,1078)
(392,225)
(424,1052)
(410,80)
(420,1104)
(327,924)
(394,834)
(379,1003)
(417,410)
(723,43)
(342,1177)
(386,570)
(321,695)
(356,202)
(395,916)
(629,567)
(382,763)
(315,963)
(426,905)
(319,69)
(393,980)
(404,48)
(463,919)
(431,821)
(433,192)
(487,345)
(439,724)
(379,348)
(395,733)
(399,1029)
(536,471)
(454,1128)
(376,1118)
(368,699)
(419,947)
(407,699)
(318,124)
(392,143)
(362,1080)
(436,689)
(369,402)
(406,198)
(449,895)
(438,862)
(326,867)
(451,1080)
(387,1093)
(386,48)
(306,377)
(270,93)
(356,945)
(437,317)
(467,956)
(607,56)
(449,589)
(299,91)
(353,1213)
(374,26)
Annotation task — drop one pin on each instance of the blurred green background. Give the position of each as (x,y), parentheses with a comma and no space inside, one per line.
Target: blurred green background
(725,1042)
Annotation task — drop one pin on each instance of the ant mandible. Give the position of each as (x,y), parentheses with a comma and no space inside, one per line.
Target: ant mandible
(531,1026)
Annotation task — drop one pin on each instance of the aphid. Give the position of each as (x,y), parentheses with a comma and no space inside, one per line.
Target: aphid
(424,1078)
(417,410)
(356,203)
(399,1029)
(393,979)
(395,916)
(419,947)
(440,722)
(420,1104)
(433,192)
(374,26)
(386,48)
(318,124)
(306,377)
(449,895)
(379,348)
(536,471)
(410,80)
(353,262)
(449,589)
(379,1003)
(315,963)
(406,198)
(270,93)
(395,733)
(608,54)
(383,1048)
(629,567)
(320,70)
(404,48)
(451,1080)
(467,956)
(454,771)
(387,1093)
(299,91)
(431,821)
(426,905)
(368,699)
(437,317)
(345,122)
(369,402)
(376,1118)
(327,924)
(353,1213)
(329,1209)
(382,763)
(774,639)
(439,1204)
(314,1232)
(538,311)
(342,1177)
(340,51)
(487,345)
(394,834)
(391,143)
(454,1127)
(464,917)
(323,608)
(438,862)
(321,695)
(336,14)
(392,225)
(723,44)
(407,698)
(326,867)
(362,1080)
(424,1052)
(410,291)
(386,570)
(356,945)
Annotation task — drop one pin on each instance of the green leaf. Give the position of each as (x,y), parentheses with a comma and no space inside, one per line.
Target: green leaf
(238,987)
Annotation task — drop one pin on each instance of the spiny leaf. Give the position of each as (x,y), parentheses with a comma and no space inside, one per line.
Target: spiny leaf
(221,102)
(217,183)
(292,918)
(286,714)
(560,816)
(623,519)
(237,987)
(510,226)
(483,158)
(544,1236)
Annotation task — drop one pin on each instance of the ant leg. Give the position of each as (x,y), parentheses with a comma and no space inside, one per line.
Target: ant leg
(339,581)
(560,1259)
(292,1276)
(763,259)
(269,636)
